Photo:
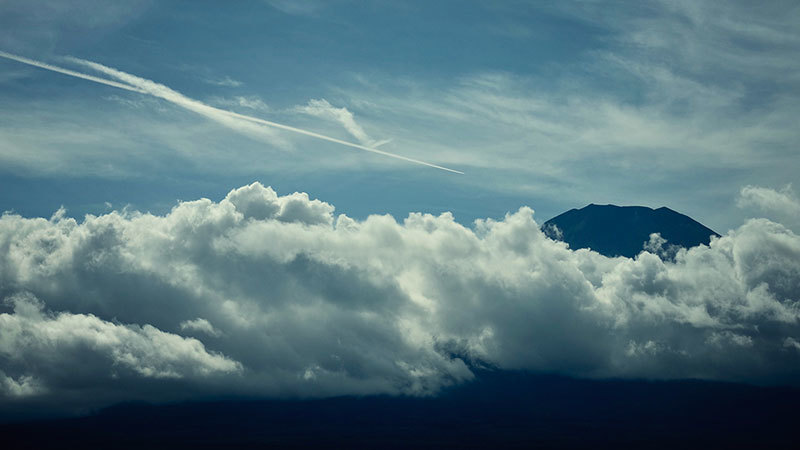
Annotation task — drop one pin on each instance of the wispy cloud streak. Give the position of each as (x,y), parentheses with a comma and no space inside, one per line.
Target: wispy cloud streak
(224,117)
(323,109)
(72,73)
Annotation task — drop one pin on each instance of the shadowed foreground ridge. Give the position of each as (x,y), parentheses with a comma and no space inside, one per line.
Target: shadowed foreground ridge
(497,410)
(622,230)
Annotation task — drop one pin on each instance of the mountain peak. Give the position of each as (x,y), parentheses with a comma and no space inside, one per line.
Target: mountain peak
(624,230)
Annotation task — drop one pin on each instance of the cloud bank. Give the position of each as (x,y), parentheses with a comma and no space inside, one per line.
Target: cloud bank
(260,294)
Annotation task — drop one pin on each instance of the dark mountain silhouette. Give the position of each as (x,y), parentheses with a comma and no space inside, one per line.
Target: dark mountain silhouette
(623,230)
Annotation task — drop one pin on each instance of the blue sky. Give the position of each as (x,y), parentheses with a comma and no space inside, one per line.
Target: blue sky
(659,103)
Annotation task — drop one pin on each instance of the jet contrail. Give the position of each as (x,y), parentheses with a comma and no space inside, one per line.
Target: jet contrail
(164,92)
(42,65)
(144,86)
(339,141)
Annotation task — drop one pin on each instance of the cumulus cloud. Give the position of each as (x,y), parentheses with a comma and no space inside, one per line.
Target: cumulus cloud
(661,247)
(791,343)
(24,386)
(34,339)
(780,205)
(281,297)
(771,200)
(201,325)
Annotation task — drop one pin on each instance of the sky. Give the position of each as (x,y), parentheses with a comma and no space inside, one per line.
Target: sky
(163,237)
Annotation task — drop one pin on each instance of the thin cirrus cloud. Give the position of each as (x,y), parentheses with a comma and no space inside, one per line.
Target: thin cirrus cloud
(239,122)
(250,102)
(225,81)
(268,295)
(71,73)
(323,109)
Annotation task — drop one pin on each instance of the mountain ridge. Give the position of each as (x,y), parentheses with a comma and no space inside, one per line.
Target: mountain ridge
(614,230)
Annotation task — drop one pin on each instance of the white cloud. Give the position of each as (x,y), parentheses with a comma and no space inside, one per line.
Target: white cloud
(730,338)
(250,125)
(224,81)
(687,92)
(766,199)
(660,246)
(250,102)
(782,205)
(69,72)
(31,336)
(223,117)
(307,303)
(43,24)
(201,325)
(24,386)
(321,108)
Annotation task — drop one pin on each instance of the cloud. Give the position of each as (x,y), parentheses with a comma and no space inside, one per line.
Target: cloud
(783,201)
(71,73)
(24,25)
(31,336)
(791,342)
(688,92)
(228,119)
(225,81)
(656,245)
(24,386)
(239,122)
(201,325)
(250,102)
(307,303)
(321,108)
(781,204)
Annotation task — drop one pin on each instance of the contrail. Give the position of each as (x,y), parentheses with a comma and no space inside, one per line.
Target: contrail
(144,86)
(339,141)
(70,72)
(164,92)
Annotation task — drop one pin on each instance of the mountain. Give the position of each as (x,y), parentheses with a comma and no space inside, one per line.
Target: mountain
(623,230)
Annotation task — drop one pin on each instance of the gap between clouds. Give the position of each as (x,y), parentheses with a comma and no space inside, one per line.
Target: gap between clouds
(261,294)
